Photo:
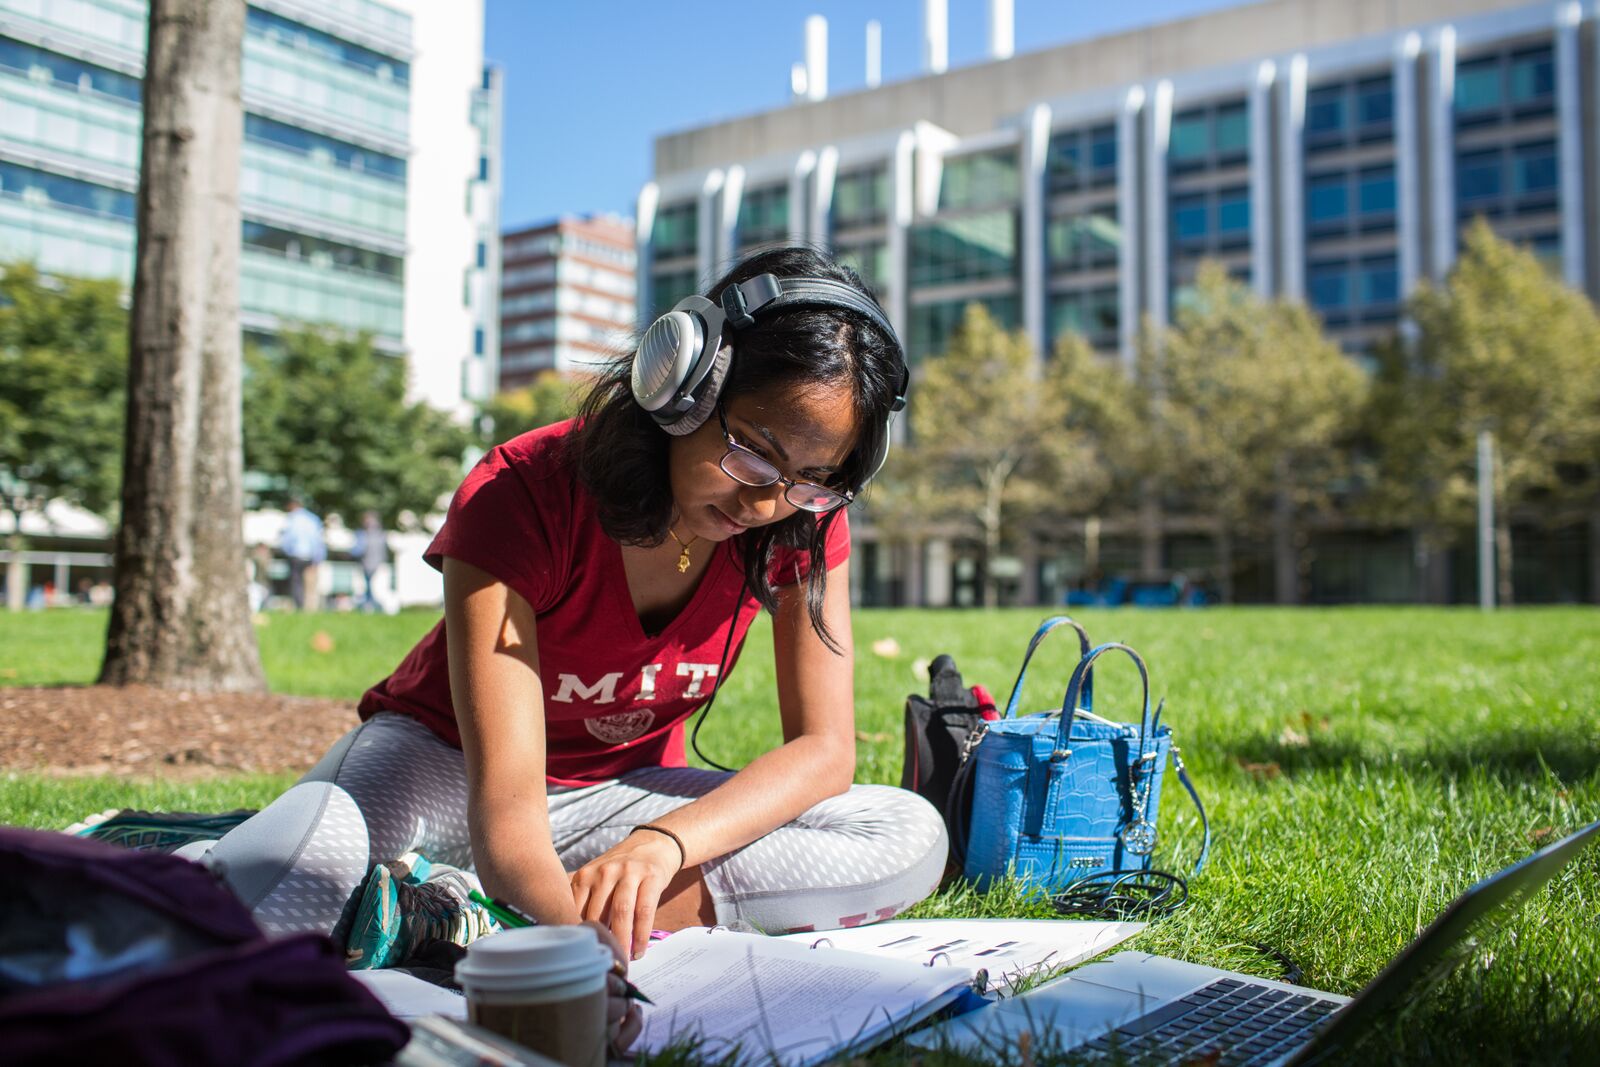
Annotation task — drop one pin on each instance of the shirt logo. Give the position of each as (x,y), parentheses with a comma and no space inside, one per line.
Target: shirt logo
(620,729)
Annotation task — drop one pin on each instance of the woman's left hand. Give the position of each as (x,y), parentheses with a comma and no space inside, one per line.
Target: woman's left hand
(622,887)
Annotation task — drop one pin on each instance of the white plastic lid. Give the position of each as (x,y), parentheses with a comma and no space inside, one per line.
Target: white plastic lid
(534,957)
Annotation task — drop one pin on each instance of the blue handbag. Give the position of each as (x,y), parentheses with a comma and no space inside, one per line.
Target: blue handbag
(1058,797)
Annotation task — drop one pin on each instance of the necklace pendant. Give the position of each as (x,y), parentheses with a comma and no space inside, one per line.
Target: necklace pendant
(683,561)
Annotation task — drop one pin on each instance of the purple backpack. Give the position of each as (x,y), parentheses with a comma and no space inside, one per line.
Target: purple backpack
(109,955)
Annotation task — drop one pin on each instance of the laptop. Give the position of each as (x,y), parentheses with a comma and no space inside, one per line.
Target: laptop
(1153,1009)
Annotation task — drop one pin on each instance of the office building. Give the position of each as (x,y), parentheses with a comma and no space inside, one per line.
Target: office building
(1325,150)
(369,179)
(566,299)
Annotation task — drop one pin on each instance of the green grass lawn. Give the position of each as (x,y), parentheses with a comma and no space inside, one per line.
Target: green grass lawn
(1361,766)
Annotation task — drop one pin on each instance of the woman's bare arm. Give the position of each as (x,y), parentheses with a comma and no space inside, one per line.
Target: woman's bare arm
(499,705)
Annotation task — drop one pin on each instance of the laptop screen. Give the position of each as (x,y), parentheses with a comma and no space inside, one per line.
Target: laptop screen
(1438,948)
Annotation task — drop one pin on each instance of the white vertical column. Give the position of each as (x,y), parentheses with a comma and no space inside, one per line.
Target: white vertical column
(1441,152)
(1128,222)
(874,53)
(1002,29)
(1569,116)
(799,205)
(1292,181)
(816,57)
(901,193)
(1035,152)
(1407,164)
(820,225)
(727,231)
(644,251)
(709,239)
(935,36)
(1158,129)
(1262,208)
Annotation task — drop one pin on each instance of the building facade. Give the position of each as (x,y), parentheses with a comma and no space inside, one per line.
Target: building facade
(1327,150)
(567,296)
(366,190)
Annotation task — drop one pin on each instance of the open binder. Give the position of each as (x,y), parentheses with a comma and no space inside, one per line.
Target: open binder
(785,1002)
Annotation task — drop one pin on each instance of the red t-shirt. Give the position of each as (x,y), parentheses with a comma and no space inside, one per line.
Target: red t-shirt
(615,698)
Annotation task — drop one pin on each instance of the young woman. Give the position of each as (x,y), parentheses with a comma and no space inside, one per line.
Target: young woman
(600,576)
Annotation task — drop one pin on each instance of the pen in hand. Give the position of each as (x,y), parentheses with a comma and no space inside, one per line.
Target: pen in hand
(512,917)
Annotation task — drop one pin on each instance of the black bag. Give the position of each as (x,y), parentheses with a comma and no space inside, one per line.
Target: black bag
(938,729)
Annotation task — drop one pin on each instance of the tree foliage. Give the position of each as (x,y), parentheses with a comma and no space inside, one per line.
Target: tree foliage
(990,444)
(63,378)
(327,419)
(1504,347)
(549,398)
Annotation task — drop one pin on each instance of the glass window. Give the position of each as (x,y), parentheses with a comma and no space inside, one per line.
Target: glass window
(763,215)
(676,230)
(981,180)
(1327,198)
(1064,164)
(1191,137)
(37,186)
(932,324)
(343,154)
(1094,315)
(1090,239)
(1380,281)
(320,251)
(477,341)
(1478,86)
(670,286)
(67,73)
(296,35)
(1103,149)
(1533,77)
(1328,286)
(1533,169)
(483,254)
(1189,218)
(964,249)
(1375,101)
(1547,247)
(1478,176)
(1233,130)
(869,259)
(1377,191)
(861,197)
(1325,110)
(1233,211)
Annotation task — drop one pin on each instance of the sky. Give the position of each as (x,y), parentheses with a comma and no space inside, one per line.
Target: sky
(590,84)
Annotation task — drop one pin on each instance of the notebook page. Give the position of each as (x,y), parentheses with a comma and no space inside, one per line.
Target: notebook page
(778,1000)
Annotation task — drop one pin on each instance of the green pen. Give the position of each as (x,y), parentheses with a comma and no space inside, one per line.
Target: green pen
(512,917)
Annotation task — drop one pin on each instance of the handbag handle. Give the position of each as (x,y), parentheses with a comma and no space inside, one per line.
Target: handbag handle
(1038,635)
(1080,681)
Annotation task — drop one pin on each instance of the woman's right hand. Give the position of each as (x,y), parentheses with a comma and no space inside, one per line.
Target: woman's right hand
(624,1020)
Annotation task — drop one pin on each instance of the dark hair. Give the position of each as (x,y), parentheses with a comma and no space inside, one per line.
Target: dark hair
(621,454)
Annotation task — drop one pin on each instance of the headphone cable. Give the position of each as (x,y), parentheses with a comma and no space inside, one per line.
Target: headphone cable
(716,686)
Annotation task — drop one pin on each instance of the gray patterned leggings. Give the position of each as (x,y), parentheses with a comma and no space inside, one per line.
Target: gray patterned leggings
(390,786)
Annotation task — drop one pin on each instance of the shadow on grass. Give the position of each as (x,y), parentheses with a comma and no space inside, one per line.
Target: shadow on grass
(1508,754)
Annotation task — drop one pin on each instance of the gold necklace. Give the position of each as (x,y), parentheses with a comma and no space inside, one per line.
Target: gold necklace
(683,557)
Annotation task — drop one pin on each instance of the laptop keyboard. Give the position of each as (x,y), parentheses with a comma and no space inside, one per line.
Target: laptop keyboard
(1229,1022)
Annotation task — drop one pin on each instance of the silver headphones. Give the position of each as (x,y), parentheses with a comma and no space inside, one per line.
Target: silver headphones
(683,360)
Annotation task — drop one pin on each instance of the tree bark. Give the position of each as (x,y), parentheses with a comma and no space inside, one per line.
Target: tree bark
(181,615)
(1285,555)
(1503,578)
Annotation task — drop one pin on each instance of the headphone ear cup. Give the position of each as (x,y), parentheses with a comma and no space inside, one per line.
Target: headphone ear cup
(710,390)
(665,357)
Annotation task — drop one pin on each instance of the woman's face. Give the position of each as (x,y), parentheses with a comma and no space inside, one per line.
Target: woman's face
(807,435)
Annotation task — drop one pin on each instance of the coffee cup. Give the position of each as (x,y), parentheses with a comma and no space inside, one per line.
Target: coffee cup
(543,987)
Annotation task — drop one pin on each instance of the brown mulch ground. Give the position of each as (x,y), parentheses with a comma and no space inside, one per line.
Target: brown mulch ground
(137,731)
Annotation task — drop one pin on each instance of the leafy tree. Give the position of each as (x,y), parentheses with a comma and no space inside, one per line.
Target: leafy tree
(1251,400)
(549,398)
(990,444)
(181,613)
(63,375)
(327,420)
(1504,347)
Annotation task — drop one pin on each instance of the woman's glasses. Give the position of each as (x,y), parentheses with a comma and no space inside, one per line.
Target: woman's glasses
(747,468)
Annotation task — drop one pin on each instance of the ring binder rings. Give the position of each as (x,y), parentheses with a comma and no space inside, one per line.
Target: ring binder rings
(821,941)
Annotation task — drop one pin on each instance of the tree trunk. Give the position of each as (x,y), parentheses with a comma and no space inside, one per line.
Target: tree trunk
(1594,552)
(1502,562)
(1285,555)
(1149,530)
(1433,575)
(16,571)
(1224,561)
(181,616)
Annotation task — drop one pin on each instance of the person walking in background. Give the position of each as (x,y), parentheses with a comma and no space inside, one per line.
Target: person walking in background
(303,545)
(371,548)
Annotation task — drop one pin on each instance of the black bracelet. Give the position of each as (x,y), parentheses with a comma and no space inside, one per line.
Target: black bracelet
(683,853)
